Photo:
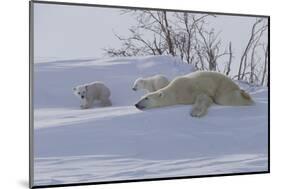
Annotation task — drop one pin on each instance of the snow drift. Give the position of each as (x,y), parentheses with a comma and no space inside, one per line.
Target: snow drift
(121,143)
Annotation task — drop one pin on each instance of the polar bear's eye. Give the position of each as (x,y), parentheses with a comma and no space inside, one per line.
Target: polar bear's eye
(78,92)
(146,98)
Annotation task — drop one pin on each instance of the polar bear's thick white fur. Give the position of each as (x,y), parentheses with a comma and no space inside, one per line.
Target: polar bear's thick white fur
(90,92)
(201,88)
(151,84)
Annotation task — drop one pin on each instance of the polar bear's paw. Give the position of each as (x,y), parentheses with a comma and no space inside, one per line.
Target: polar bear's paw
(106,103)
(201,105)
(198,112)
(84,107)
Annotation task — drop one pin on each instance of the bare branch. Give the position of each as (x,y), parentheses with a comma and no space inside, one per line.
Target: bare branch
(230,59)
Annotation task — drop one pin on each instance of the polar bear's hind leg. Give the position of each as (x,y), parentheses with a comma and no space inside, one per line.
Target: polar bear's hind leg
(234,98)
(201,105)
(106,102)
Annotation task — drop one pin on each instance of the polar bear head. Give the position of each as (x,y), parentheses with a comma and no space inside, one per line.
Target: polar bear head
(153,100)
(80,91)
(139,84)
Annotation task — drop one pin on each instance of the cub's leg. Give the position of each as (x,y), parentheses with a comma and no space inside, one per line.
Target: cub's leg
(201,105)
(86,103)
(106,102)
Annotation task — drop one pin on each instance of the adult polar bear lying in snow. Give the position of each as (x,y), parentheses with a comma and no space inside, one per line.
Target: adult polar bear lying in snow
(201,88)
(90,92)
(151,84)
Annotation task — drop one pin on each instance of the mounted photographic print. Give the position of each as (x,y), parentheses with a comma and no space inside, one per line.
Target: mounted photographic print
(123,94)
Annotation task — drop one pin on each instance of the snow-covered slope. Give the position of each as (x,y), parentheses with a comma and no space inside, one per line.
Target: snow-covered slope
(120,142)
(54,80)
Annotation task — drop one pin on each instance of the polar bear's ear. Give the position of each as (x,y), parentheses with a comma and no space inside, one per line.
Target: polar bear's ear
(86,87)
(74,88)
(161,94)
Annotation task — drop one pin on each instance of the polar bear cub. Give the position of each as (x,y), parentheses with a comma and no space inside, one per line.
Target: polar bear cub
(90,92)
(201,88)
(151,84)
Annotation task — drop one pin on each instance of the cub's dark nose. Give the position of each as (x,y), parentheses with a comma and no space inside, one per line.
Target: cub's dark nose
(134,89)
(137,106)
(82,97)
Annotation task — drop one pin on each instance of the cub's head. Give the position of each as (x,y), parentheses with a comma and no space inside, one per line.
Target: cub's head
(80,91)
(153,100)
(138,84)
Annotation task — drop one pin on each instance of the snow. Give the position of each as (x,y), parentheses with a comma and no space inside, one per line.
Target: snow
(121,142)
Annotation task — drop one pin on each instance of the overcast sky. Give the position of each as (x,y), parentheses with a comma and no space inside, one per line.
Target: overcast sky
(76,32)
(62,31)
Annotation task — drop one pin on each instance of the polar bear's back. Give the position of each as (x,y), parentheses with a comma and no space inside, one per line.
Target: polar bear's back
(208,82)
(218,81)
(160,81)
(212,78)
(98,89)
(155,82)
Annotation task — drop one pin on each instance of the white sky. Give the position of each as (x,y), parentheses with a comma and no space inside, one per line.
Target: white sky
(76,32)
(66,32)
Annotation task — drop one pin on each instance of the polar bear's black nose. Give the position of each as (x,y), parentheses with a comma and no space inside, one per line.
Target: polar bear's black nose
(139,106)
(82,97)
(134,89)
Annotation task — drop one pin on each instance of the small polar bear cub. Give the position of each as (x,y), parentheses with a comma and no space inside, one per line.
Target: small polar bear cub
(88,93)
(151,84)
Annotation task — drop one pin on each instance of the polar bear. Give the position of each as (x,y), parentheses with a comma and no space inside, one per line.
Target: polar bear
(201,88)
(151,84)
(90,92)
